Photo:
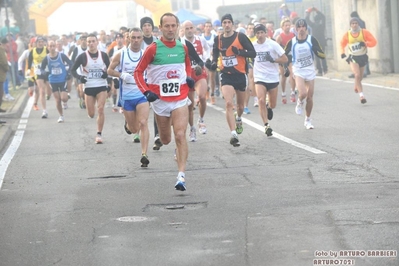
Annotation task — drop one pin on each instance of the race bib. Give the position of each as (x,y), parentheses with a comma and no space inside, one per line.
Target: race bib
(229,61)
(56,71)
(169,87)
(261,56)
(355,47)
(37,70)
(305,61)
(95,74)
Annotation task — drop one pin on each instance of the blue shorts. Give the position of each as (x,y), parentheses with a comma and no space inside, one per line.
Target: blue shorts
(130,105)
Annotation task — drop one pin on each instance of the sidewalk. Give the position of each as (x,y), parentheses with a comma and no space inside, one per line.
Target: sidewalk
(13,112)
(389,80)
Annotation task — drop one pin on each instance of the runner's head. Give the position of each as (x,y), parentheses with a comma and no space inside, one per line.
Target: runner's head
(260,27)
(301,23)
(285,25)
(188,28)
(92,42)
(39,42)
(229,17)
(147,25)
(169,25)
(227,23)
(354,23)
(354,20)
(260,32)
(52,47)
(301,28)
(135,38)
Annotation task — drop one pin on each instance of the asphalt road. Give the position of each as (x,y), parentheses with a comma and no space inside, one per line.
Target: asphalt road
(285,200)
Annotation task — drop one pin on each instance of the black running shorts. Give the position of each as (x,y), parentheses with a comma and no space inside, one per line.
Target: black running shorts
(361,60)
(94,91)
(238,81)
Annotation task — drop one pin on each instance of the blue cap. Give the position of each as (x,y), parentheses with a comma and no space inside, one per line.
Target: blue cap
(217,23)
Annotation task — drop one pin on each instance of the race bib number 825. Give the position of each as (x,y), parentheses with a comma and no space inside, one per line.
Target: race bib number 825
(169,87)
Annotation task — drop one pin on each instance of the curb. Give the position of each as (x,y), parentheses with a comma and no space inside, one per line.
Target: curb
(17,109)
(7,130)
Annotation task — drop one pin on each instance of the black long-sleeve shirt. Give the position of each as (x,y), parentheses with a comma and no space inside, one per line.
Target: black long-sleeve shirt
(192,53)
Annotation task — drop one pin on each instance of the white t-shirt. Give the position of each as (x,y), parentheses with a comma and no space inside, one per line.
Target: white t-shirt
(266,71)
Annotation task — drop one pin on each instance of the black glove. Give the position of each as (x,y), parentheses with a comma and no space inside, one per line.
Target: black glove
(83,79)
(349,59)
(116,83)
(286,72)
(210,65)
(190,82)
(362,44)
(269,58)
(151,96)
(104,75)
(198,70)
(69,76)
(343,56)
(235,50)
(20,73)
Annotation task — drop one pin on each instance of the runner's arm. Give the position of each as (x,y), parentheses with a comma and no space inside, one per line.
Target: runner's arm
(318,51)
(43,65)
(215,50)
(249,50)
(114,63)
(65,59)
(193,54)
(287,48)
(30,59)
(78,62)
(344,42)
(74,54)
(370,40)
(105,59)
(22,58)
(147,58)
(188,62)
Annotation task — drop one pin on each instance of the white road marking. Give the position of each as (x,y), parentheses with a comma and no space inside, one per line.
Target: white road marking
(275,134)
(19,134)
(363,83)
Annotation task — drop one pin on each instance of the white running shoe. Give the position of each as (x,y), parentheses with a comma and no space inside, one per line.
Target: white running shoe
(107,103)
(298,107)
(193,135)
(308,124)
(181,183)
(65,105)
(44,114)
(292,97)
(60,119)
(256,104)
(201,128)
(8,98)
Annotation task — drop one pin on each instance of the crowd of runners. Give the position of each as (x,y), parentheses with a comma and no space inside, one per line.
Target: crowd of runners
(174,68)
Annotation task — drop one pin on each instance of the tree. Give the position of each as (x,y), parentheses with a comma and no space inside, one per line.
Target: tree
(19,9)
